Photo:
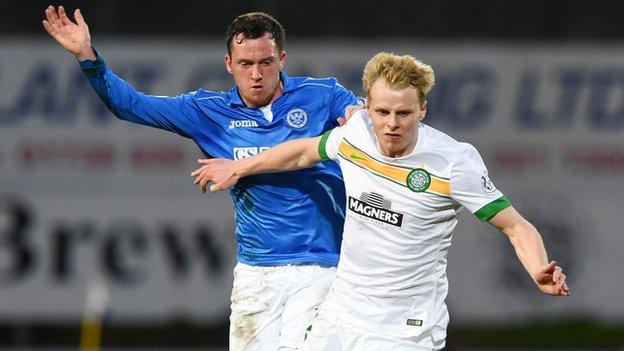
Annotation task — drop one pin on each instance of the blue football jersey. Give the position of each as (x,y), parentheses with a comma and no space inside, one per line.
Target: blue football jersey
(281,218)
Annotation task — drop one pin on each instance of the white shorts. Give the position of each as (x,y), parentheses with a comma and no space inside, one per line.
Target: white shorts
(273,306)
(328,333)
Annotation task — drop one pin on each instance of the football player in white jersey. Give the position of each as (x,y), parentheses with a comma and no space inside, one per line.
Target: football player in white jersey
(405,183)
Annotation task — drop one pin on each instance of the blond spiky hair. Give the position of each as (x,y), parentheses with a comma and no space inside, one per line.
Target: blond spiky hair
(399,72)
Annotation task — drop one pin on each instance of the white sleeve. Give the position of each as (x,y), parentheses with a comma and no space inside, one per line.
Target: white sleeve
(330,142)
(471,186)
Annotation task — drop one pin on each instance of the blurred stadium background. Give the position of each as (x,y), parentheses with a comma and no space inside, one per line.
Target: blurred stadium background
(99,220)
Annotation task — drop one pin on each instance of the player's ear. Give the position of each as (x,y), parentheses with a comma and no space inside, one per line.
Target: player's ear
(282,59)
(228,63)
(423,110)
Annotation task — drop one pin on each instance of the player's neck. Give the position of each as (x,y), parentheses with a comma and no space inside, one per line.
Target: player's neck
(278,92)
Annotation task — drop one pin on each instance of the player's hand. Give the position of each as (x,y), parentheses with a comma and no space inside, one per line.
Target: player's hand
(348,113)
(74,37)
(551,280)
(219,171)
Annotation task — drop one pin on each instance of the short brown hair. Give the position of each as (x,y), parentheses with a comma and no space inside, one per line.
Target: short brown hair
(254,25)
(399,72)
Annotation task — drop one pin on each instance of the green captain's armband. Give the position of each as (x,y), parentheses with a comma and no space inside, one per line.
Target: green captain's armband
(488,211)
(322,146)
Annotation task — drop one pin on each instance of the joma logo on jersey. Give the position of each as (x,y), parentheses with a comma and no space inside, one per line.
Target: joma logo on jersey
(373,206)
(246,123)
(244,152)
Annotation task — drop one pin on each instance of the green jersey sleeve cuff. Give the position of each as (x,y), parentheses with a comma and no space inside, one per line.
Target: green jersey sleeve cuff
(322,146)
(488,211)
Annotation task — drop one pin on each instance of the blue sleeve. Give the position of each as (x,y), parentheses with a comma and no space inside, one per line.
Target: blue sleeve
(176,114)
(341,99)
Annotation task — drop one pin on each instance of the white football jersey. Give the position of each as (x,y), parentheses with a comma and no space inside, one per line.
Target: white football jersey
(400,213)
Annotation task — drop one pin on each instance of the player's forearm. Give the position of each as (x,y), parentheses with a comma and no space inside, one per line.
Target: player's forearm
(528,245)
(288,156)
(174,114)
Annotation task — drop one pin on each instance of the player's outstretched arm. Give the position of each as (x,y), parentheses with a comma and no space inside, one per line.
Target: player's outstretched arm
(529,248)
(74,37)
(288,156)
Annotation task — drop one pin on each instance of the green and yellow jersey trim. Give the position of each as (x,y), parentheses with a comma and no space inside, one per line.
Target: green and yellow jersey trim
(439,185)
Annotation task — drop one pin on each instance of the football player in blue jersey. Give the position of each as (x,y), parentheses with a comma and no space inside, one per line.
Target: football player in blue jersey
(288,235)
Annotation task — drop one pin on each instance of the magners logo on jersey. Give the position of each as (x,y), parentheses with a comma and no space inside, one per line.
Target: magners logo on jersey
(374,207)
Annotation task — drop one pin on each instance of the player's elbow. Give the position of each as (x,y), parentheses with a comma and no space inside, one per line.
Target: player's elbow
(305,162)
(519,230)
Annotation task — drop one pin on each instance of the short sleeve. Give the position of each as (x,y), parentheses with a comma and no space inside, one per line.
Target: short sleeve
(471,186)
(330,142)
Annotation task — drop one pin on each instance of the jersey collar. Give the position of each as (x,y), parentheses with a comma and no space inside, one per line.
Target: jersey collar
(235,98)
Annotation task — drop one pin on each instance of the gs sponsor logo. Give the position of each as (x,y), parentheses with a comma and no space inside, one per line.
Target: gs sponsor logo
(245,152)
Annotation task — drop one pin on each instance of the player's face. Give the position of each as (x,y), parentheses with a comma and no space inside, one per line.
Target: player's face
(395,115)
(255,65)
